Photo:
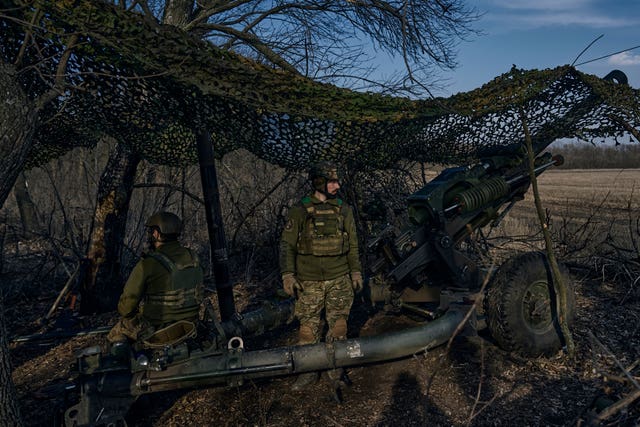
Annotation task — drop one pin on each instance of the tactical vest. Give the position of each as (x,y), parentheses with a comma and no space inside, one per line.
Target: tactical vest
(185,291)
(323,233)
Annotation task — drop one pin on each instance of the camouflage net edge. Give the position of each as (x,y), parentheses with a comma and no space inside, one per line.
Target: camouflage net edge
(293,121)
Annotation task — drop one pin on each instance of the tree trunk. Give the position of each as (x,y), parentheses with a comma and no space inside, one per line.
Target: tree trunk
(9,411)
(28,214)
(17,124)
(103,284)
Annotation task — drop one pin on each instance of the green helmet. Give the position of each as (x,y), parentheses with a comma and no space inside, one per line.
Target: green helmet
(169,225)
(322,172)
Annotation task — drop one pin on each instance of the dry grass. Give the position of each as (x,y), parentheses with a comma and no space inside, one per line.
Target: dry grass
(586,209)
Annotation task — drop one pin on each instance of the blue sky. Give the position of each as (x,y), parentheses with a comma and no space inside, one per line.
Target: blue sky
(547,33)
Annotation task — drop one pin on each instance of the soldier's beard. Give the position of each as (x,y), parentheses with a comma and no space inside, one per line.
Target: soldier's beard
(328,194)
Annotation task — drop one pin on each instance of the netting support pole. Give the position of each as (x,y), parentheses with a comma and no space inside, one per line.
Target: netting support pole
(219,253)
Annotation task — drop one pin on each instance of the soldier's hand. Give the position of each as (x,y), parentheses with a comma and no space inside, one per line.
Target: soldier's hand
(291,284)
(356,281)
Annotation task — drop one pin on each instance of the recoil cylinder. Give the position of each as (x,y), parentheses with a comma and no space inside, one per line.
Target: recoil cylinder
(478,196)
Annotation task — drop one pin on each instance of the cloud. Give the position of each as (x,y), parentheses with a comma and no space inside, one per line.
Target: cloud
(625,58)
(543,5)
(542,13)
(538,20)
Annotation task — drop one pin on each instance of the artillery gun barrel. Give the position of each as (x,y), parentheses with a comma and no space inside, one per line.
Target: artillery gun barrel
(555,161)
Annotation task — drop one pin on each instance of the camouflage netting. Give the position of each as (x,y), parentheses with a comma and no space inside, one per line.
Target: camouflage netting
(154,86)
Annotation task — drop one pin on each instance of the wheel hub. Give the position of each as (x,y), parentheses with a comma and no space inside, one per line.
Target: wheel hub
(536,306)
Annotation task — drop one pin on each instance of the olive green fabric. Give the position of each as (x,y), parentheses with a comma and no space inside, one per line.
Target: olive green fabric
(160,295)
(319,241)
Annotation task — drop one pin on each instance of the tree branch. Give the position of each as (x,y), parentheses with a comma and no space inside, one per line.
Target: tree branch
(254,42)
(171,187)
(58,85)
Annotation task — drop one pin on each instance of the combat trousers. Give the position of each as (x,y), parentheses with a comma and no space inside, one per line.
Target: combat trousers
(335,297)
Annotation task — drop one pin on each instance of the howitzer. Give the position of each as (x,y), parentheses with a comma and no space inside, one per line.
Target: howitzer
(421,265)
(425,263)
(446,211)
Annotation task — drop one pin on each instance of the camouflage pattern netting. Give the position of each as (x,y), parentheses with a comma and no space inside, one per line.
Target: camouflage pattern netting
(154,87)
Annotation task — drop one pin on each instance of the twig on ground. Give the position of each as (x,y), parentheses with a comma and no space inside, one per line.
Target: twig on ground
(614,408)
(595,340)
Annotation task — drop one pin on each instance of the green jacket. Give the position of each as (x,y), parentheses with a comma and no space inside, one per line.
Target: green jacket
(161,296)
(332,254)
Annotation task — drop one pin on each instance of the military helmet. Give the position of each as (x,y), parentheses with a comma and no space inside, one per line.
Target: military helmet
(322,172)
(167,223)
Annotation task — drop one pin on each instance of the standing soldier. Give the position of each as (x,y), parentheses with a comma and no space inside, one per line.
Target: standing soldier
(164,287)
(320,264)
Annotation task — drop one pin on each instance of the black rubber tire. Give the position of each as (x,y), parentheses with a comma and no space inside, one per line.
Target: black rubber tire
(520,306)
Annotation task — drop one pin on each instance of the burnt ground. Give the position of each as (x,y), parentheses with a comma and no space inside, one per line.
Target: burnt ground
(472,383)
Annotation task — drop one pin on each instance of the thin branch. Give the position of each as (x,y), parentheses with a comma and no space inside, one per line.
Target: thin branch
(633,131)
(258,203)
(615,359)
(615,408)
(255,43)
(559,285)
(173,188)
(204,14)
(27,35)
(60,75)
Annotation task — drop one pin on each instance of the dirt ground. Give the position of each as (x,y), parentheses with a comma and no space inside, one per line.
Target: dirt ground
(474,383)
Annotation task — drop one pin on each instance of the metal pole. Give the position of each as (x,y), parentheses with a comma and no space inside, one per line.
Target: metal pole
(211,195)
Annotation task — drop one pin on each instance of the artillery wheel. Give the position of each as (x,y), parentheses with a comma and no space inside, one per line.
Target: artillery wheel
(520,305)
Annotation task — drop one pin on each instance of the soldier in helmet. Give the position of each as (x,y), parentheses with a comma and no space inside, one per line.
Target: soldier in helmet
(164,287)
(319,262)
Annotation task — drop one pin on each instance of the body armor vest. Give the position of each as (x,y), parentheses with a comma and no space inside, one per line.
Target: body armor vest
(183,292)
(323,232)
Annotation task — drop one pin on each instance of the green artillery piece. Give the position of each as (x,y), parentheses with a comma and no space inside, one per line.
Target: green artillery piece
(421,265)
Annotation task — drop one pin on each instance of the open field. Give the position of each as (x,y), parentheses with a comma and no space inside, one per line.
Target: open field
(579,193)
(585,208)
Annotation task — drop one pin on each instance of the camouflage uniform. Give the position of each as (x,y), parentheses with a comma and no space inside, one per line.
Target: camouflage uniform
(164,287)
(319,246)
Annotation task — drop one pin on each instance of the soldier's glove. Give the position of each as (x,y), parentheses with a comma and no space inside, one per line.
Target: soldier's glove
(291,284)
(356,281)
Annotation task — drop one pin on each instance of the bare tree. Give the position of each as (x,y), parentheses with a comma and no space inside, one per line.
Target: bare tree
(332,41)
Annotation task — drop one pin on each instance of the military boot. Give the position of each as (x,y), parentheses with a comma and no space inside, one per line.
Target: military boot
(305,380)
(337,379)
